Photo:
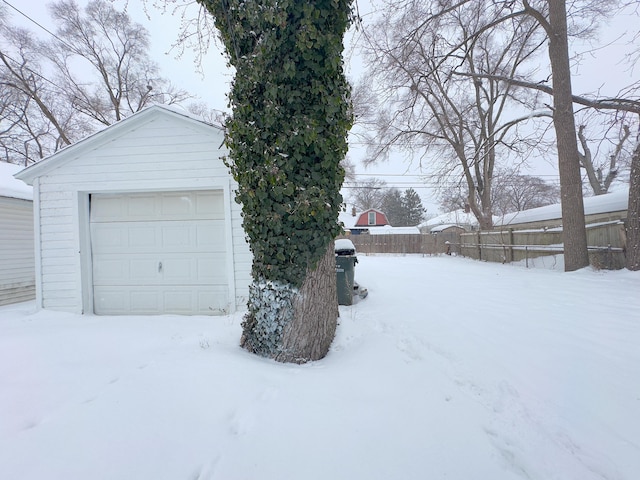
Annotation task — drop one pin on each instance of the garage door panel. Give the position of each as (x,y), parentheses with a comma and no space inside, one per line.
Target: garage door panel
(209,205)
(142,237)
(178,236)
(139,236)
(123,237)
(150,301)
(210,236)
(108,269)
(113,269)
(142,302)
(212,269)
(139,207)
(110,301)
(174,205)
(159,253)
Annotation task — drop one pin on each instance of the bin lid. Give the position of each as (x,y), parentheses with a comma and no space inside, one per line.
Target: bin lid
(344,246)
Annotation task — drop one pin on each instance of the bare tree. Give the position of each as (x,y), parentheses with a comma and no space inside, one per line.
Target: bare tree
(424,70)
(511,192)
(558,20)
(368,193)
(633,212)
(36,121)
(453,198)
(96,71)
(123,78)
(606,157)
(514,192)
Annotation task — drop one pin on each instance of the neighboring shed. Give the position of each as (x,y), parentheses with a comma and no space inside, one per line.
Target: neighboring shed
(447,229)
(17,264)
(597,209)
(139,218)
(460,218)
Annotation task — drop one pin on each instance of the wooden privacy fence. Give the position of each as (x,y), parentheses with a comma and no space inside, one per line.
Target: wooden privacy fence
(425,244)
(607,243)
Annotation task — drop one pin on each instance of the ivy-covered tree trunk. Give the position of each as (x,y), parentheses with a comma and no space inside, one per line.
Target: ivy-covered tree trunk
(286,137)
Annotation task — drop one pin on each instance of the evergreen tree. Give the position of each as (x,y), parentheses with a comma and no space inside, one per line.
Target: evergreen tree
(392,206)
(413,209)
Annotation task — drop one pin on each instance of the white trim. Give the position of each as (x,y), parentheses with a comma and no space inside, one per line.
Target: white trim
(228,225)
(84,241)
(37,237)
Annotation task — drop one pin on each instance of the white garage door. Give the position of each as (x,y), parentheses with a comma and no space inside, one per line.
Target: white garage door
(155,253)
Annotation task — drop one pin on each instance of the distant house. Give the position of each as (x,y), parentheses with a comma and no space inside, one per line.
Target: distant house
(371,218)
(139,218)
(355,222)
(17,259)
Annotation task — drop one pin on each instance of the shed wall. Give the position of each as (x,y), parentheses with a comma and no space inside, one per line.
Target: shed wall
(17,259)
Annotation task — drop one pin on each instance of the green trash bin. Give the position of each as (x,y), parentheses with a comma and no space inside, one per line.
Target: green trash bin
(345,270)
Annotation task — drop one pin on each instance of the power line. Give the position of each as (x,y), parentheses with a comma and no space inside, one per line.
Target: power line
(39,25)
(37,74)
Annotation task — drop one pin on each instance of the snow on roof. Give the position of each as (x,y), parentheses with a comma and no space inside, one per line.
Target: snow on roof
(457,217)
(389,230)
(610,202)
(12,187)
(444,226)
(348,219)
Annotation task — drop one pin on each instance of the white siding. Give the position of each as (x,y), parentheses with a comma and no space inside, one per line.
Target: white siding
(163,154)
(17,263)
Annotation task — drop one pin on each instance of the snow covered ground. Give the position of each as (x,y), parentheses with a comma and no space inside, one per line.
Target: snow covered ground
(450,369)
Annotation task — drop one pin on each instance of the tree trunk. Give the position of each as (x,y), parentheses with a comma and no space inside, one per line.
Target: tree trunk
(574,232)
(633,213)
(294,325)
(315,314)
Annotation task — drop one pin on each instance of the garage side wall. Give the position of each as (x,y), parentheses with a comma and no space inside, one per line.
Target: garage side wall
(162,154)
(17,263)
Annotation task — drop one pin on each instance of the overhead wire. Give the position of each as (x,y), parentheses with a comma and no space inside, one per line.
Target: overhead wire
(21,64)
(38,24)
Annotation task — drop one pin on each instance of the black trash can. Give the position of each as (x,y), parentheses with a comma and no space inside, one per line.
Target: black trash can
(345,270)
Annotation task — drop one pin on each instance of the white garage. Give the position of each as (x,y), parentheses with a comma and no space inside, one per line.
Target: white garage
(139,219)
